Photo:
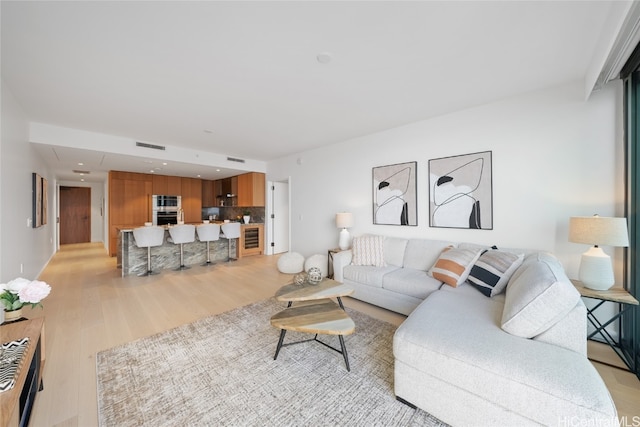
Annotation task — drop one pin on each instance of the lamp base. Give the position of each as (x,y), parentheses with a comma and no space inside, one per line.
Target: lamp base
(596,271)
(343,243)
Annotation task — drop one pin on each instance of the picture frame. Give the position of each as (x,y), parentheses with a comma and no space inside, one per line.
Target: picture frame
(37,200)
(40,200)
(395,194)
(45,201)
(461,191)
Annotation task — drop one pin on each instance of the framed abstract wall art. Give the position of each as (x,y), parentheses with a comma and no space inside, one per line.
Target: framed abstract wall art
(36,220)
(45,200)
(395,194)
(460,191)
(40,200)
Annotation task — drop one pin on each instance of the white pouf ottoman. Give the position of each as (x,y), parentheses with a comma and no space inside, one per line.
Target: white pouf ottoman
(290,263)
(319,261)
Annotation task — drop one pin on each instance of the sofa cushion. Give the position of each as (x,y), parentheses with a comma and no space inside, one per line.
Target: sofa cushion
(394,251)
(492,271)
(368,250)
(538,295)
(366,274)
(408,281)
(421,254)
(453,265)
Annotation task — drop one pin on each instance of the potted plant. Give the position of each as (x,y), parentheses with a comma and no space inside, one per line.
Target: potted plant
(246,216)
(19,292)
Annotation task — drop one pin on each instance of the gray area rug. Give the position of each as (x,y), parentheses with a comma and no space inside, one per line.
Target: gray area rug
(220,371)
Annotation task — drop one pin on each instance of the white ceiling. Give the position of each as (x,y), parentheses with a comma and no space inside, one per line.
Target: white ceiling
(242,78)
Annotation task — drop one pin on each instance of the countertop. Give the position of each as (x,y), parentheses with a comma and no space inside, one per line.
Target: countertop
(129,228)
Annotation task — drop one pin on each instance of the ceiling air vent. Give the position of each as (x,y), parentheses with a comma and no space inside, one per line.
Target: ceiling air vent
(81,172)
(145,145)
(233,159)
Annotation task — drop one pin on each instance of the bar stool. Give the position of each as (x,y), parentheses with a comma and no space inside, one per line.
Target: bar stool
(230,230)
(181,234)
(146,237)
(208,233)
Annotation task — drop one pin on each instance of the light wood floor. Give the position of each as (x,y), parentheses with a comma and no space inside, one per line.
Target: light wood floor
(91,308)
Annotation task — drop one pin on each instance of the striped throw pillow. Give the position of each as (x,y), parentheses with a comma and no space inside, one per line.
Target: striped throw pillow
(368,250)
(454,264)
(492,271)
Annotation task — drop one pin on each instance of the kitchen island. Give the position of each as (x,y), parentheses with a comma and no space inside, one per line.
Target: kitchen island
(133,260)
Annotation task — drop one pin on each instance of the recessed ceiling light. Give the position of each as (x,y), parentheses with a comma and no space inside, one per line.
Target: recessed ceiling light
(82,180)
(217,170)
(164,163)
(198,176)
(152,171)
(324,57)
(80,164)
(81,174)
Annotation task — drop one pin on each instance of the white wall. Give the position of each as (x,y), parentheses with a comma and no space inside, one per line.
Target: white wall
(554,156)
(19,243)
(97,208)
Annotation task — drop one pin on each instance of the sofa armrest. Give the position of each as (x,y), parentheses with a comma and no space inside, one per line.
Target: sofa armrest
(340,260)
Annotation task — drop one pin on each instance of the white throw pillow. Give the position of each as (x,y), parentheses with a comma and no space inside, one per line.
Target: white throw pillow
(368,250)
(394,248)
(537,298)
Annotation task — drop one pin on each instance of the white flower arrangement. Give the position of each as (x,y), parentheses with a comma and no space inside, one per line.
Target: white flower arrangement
(18,292)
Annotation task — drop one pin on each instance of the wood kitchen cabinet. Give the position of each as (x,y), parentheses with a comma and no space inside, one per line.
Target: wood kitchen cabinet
(167,185)
(217,191)
(174,186)
(226,191)
(251,189)
(251,240)
(129,202)
(160,184)
(192,199)
(208,195)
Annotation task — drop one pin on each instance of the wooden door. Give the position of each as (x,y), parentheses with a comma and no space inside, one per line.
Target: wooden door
(280,217)
(75,215)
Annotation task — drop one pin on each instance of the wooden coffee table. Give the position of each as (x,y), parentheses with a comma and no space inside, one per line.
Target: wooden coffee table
(314,312)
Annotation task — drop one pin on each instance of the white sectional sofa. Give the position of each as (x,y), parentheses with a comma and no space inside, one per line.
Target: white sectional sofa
(509,350)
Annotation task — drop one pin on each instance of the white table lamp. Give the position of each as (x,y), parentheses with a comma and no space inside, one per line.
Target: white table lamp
(596,271)
(344,220)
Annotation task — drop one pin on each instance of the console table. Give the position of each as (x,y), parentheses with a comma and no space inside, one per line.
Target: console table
(16,404)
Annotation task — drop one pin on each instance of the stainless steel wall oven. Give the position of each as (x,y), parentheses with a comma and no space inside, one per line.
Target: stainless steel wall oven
(165,209)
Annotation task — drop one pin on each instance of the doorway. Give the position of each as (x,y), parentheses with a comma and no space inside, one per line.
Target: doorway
(75,215)
(279,217)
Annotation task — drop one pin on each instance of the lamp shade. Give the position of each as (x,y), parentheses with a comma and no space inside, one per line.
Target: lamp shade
(344,220)
(597,230)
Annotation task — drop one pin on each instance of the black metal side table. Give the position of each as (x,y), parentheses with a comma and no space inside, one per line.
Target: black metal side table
(626,305)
